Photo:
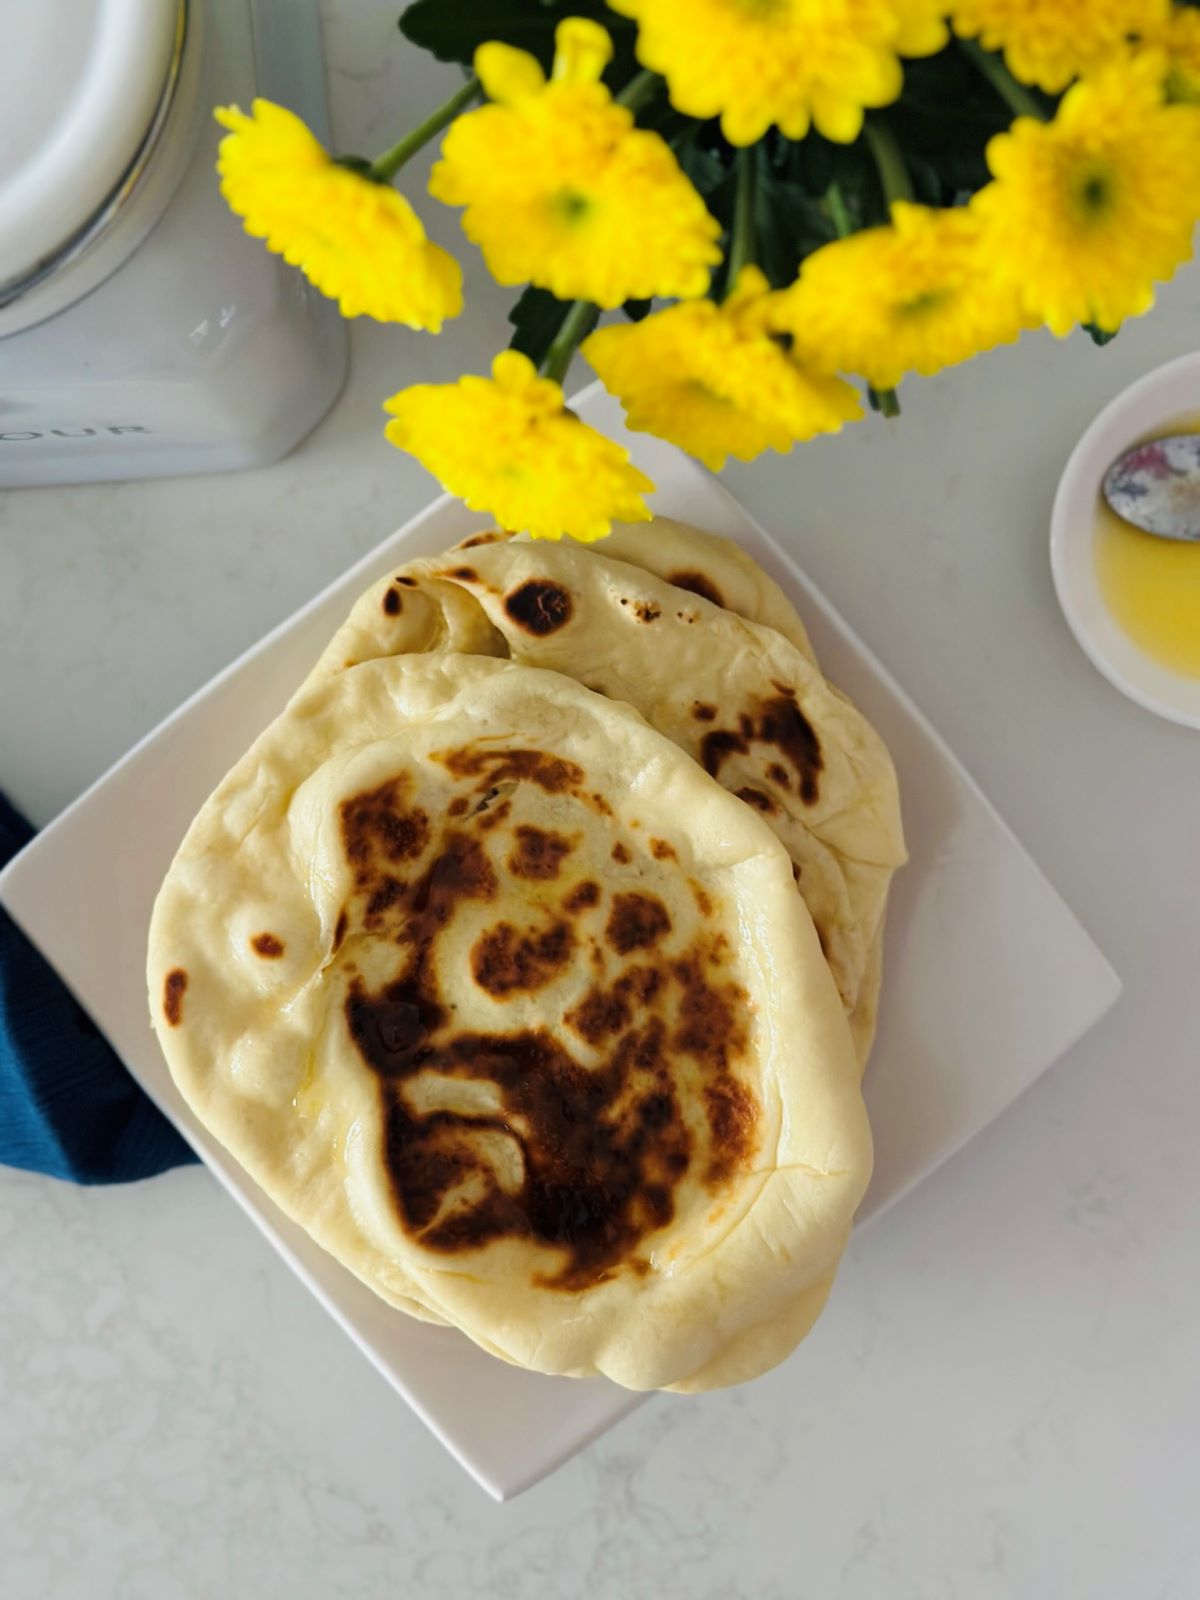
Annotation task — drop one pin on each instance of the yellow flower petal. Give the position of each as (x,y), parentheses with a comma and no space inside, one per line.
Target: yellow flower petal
(1049,42)
(788,62)
(357,241)
(923,30)
(507,446)
(1179,38)
(913,297)
(508,75)
(712,380)
(1088,211)
(582,51)
(563,191)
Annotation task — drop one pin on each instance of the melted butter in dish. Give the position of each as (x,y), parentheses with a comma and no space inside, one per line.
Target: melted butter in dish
(1152,588)
(1151,585)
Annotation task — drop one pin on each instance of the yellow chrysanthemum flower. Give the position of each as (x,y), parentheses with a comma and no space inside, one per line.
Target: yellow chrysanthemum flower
(563,191)
(357,241)
(790,62)
(923,29)
(712,380)
(916,296)
(1179,38)
(508,446)
(1049,42)
(1088,211)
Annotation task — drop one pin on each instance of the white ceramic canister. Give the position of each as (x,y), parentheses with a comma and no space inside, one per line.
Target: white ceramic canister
(142,333)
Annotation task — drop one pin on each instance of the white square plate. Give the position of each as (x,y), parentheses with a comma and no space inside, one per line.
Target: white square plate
(989,976)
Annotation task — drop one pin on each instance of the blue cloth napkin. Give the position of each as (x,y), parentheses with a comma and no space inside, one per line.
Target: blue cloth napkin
(68,1107)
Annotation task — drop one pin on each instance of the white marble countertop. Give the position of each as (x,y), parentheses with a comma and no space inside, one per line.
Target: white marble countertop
(1004,1397)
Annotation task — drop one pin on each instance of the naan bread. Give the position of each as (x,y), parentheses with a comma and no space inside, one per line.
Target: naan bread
(739,697)
(509,1004)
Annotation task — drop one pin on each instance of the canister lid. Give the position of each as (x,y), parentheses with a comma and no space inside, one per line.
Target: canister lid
(80,82)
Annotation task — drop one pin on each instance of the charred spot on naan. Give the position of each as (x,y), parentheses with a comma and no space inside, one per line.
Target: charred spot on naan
(732,1113)
(711,1026)
(582,897)
(496,769)
(757,799)
(592,1186)
(493,810)
(643,610)
(702,898)
(504,959)
(377,825)
(540,606)
(477,539)
(268,945)
(776,720)
(538,852)
(607,1011)
(599,1149)
(494,766)
(388,892)
(174,986)
(637,922)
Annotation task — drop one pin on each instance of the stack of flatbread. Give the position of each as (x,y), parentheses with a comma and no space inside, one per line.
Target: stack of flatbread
(530,960)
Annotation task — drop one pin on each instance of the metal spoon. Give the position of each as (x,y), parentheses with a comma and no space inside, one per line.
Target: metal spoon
(1156,486)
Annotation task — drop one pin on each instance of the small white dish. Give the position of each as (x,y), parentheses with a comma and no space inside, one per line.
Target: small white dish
(1168,395)
(989,977)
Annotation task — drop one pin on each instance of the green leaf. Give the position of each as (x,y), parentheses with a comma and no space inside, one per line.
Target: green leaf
(536,319)
(929,187)
(453,30)
(1100,336)
(660,116)
(707,163)
(943,121)
(811,163)
(789,224)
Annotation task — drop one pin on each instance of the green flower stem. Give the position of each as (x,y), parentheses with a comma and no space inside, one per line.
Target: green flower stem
(638,90)
(741,242)
(896,185)
(889,162)
(577,324)
(1015,95)
(885,401)
(835,205)
(385,167)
